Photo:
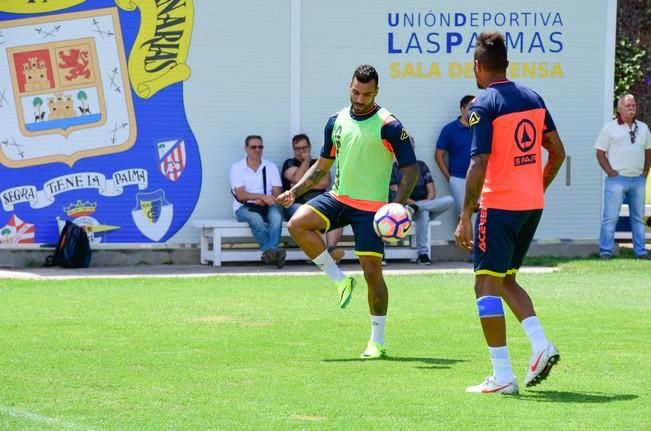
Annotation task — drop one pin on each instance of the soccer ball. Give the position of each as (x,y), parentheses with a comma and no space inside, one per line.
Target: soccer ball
(392,222)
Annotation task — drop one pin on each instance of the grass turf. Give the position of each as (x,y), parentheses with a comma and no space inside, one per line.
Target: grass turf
(275,353)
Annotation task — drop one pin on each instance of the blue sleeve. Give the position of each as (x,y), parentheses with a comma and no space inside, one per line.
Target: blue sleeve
(481,130)
(549,122)
(443,142)
(396,135)
(328,150)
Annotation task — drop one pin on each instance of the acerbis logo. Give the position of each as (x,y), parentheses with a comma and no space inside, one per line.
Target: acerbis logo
(481,229)
(473,119)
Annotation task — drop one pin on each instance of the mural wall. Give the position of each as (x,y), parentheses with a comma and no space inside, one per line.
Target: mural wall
(126,115)
(92,120)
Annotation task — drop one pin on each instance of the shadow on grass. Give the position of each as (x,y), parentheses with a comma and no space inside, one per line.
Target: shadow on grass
(574,397)
(432,363)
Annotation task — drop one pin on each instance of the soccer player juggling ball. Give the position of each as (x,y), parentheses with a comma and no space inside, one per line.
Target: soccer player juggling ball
(364,139)
(510,125)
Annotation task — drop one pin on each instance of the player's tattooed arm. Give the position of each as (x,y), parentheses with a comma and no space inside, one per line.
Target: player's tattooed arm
(407,183)
(313,176)
(474,183)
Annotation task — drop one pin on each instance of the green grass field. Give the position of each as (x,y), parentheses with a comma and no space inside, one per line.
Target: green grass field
(275,353)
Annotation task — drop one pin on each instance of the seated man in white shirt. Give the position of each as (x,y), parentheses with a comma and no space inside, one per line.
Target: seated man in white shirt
(255,183)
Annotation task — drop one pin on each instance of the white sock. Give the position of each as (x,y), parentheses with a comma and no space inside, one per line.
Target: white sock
(501,364)
(377,329)
(325,262)
(534,331)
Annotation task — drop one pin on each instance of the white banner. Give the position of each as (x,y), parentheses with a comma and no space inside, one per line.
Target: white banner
(81,180)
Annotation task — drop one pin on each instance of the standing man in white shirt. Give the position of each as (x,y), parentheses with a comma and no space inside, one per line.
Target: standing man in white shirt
(255,183)
(624,153)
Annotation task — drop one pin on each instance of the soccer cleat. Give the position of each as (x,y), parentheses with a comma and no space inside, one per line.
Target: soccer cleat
(345,288)
(490,386)
(541,364)
(374,350)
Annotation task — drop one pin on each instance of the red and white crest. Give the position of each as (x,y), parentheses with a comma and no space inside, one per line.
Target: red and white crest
(172,158)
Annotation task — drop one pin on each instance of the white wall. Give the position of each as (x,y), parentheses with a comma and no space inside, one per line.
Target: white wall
(240,84)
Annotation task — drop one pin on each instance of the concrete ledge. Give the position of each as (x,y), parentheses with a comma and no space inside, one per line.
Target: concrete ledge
(188,254)
(105,257)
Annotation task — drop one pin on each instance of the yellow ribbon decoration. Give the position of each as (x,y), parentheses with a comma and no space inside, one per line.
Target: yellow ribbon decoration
(158,55)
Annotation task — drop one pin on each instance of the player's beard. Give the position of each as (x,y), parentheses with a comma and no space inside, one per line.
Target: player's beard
(362,109)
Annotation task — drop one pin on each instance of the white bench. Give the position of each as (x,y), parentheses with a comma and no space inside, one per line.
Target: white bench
(215,234)
(624,212)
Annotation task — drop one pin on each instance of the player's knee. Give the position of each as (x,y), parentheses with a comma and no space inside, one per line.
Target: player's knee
(490,306)
(293,225)
(297,227)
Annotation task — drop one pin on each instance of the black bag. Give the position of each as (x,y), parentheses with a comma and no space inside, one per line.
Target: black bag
(73,249)
(260,209)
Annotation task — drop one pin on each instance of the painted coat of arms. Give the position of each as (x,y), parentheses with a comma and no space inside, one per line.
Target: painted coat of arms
(68,79)
(82,132)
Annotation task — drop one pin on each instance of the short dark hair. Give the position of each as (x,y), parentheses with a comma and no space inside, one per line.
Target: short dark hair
(490,51)
(465,100)
(300,137)
(366,73)
(248,139)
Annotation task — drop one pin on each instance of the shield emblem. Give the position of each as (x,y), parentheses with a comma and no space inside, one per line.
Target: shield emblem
(153,214)
(59,82)
(172,158)
(70,86)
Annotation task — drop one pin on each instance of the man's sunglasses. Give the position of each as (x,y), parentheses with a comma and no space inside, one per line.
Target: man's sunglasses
(633,133)
(256,147)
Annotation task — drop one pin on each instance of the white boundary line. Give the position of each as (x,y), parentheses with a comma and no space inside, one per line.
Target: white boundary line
(249,272)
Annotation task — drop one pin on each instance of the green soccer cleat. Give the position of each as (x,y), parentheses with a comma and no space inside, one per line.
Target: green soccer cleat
(345,288)
(373,350)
